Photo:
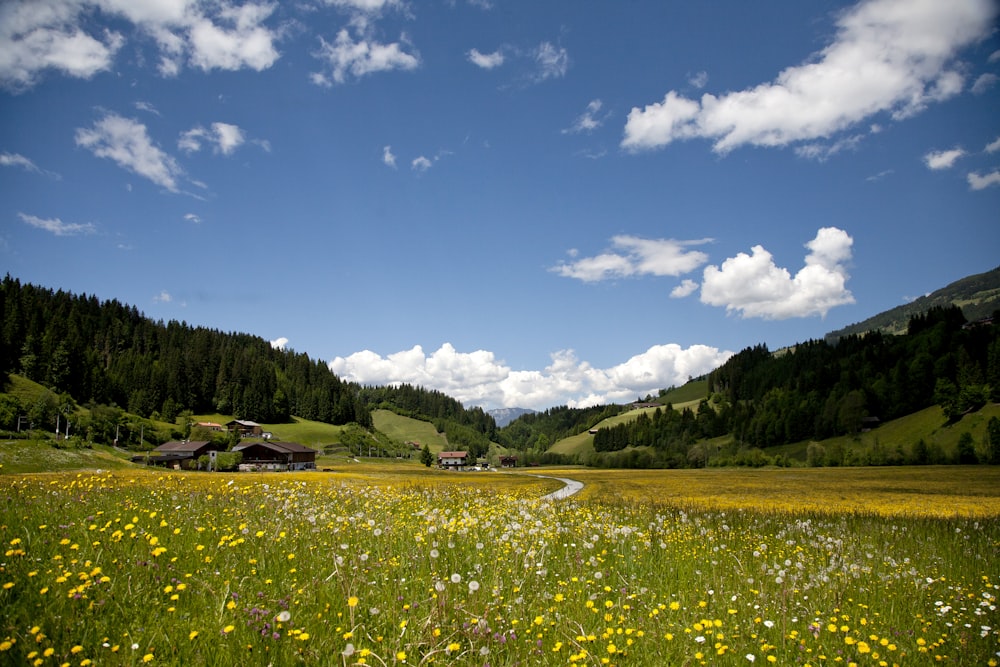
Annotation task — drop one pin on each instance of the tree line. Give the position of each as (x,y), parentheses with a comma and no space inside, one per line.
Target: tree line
(111,357)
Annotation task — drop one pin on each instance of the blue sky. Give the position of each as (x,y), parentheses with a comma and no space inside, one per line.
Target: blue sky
(517,203)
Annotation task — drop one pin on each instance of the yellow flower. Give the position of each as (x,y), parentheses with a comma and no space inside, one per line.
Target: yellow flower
(352,602)
(148,657)
(229,628)
(192,635)
(76,649)
(401,656)
(303,636)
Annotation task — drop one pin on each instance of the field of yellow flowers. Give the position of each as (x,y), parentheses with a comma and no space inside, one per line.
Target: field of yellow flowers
(136,567)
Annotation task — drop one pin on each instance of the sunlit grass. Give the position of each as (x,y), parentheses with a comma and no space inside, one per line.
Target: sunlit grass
(370,565)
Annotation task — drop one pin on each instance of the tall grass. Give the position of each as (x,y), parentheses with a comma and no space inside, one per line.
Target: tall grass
(127,568)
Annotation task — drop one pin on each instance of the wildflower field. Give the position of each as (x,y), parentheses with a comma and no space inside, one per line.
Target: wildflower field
(134,567)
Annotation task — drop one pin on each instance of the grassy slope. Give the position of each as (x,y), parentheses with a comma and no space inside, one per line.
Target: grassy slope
(583,443)
(405,429)
(25,456)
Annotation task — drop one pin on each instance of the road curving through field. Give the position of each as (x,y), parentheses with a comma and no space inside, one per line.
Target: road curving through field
(572,486)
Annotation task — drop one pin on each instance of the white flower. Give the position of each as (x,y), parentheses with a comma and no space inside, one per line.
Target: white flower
(751,657)
(456,578)
(473,586)
(284,616)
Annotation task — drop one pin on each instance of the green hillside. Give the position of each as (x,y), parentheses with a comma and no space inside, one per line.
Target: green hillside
(406,429)
(28,456)
(978,296)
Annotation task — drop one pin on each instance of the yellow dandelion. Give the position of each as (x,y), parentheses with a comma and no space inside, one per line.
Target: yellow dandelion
(352,602)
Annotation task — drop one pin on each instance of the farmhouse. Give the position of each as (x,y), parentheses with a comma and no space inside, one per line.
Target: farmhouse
(453,460)
(179,454)
(245,428)
(508,461)
(272,455)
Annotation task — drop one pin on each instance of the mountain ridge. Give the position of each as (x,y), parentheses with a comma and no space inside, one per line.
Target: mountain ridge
(977,295)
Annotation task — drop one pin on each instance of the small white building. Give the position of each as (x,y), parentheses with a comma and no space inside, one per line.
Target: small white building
(454,460)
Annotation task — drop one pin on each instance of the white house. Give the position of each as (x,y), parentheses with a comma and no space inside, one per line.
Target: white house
(456,460)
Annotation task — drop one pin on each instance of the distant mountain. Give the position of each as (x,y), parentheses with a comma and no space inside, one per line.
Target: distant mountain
(978,296)
(504,416)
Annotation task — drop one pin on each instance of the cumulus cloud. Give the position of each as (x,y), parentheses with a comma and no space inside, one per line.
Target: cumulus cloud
(347,58)
(754,286)
(421,164)
(993,146)
(126,142)
(943,159)
(39,36)
(192,217)
(56,226)
(699,79)
(888,56)
(224,137)
(479,378)
(279,343)
(163,297)
(486,60)
(634,256)
(387,157)
(686,288)
(588,121)
(977,182)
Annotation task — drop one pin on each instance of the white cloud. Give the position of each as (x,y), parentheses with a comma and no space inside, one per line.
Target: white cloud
(147,107)
(636,256)
(479,378)
(888,56)
(387,157)
(943,159)
(699,80)
(225,137)
(234,40)
(57,226)
(40,36)
(486,60)
(347,58)
(163,297)
(755,287)
(18,160)
(552,61)
(977,182)
(686,288)
(421,164)
(53,35)
(588,120)
(993,146)
(279,343)
(983,83)
(822,152)
(126,142)
(192,217)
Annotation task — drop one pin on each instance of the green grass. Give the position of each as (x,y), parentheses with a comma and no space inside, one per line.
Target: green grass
(381,568)
(406,429)
(692,391)
(31,456)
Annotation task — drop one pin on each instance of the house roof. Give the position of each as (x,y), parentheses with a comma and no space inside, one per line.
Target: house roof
(453,455)
(242,422)
(182,446)
(281,447)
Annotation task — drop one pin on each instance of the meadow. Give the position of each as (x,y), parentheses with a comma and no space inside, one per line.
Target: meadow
(407,566)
